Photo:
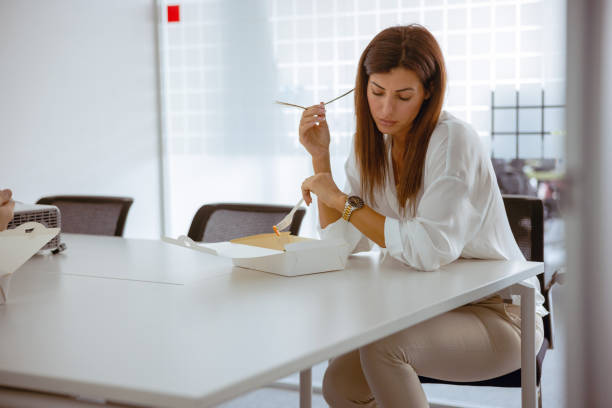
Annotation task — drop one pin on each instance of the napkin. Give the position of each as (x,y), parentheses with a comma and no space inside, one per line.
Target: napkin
(17,246)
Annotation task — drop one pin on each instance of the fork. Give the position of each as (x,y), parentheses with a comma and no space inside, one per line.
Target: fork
(286,222)
(304,107)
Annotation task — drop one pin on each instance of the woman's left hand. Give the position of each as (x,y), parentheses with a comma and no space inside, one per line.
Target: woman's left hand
(323,185)
(6,208)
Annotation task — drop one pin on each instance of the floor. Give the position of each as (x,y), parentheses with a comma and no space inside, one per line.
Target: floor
(553,376)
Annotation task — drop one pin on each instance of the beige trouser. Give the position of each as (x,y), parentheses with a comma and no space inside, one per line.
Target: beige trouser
(474,342)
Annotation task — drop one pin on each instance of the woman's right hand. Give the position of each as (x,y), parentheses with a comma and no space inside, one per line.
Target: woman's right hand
(315,137)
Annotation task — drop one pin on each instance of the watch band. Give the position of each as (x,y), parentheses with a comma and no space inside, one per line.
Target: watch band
(348,210)
(352,203)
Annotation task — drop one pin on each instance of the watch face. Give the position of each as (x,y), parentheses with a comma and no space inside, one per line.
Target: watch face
(355,202)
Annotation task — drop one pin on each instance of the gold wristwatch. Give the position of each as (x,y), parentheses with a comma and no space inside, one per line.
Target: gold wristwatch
(352,203)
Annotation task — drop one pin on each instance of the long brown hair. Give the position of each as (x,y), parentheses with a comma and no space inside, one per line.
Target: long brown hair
(414,48)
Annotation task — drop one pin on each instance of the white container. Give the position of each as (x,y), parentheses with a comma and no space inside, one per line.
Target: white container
(298,258)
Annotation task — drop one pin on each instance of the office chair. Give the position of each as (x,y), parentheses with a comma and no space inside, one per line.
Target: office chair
(96,215)
(225,221)
(526,218)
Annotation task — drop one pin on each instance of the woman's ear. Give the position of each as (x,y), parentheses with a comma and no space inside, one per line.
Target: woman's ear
(427,92)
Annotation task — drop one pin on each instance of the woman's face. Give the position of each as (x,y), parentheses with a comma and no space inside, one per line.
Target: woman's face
(395,99)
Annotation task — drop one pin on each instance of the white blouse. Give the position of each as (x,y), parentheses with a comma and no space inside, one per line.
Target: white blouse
(460,211)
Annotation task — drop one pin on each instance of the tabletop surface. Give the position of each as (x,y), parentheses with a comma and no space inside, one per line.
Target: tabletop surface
(146,322)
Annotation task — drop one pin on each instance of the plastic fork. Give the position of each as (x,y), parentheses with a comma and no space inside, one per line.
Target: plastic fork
(286,222)
(304,107)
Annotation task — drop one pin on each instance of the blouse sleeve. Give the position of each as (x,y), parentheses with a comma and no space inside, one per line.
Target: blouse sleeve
(447,215)
(341,229)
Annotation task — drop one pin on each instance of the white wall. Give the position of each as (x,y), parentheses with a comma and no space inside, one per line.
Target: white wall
(79,102)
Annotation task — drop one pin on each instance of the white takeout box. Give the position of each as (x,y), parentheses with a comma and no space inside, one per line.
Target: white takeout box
(17,246)
(298,258)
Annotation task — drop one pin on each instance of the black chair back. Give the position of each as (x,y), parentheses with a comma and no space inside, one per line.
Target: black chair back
(96,215)
(526,218)
(226,221)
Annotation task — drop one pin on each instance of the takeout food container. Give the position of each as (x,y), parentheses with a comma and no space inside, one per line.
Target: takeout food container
(287,255)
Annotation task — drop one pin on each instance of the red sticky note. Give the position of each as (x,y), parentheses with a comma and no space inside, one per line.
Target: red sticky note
(174,15)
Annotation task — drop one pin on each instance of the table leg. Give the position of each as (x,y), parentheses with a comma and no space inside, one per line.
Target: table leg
(306,388)
(528,347)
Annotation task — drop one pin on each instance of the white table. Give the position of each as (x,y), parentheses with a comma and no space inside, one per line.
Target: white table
(145,322)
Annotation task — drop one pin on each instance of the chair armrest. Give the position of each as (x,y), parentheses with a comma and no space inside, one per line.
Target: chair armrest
(557,277)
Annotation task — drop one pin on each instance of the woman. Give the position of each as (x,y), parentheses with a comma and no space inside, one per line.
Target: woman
(419,185)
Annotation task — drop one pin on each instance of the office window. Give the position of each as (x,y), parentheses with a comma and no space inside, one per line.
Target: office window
(226,62)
